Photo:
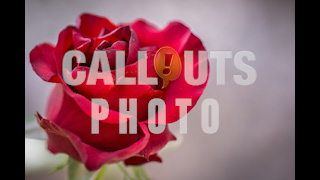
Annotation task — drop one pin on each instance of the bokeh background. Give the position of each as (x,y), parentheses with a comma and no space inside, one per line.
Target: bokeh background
(256,136)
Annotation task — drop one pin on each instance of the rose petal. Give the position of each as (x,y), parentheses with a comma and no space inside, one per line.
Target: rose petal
(61,141)
(179,88)
(64,141)
(174,35)
(65,43)
(79,42)
(70,128)
(99,90)
(137,160)
(93,25)
(143,94)
(112,93)
(71,118)
(179,37)
(127,34)
(157,142)
(111,52)
(43,62)
(85,105)
(54,103)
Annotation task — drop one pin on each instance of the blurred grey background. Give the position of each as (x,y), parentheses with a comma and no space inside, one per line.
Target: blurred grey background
(256,137)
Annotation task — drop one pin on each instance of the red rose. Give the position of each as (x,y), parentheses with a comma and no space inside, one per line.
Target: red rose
(68,115)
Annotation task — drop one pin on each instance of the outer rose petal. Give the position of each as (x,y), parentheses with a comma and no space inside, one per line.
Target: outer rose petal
(67,132)
(137,160)
(43,62)
(84,103)
(93,25)
(70,117)
(179,37)
(63,141)
(174,35)
(180,88)
(157,142)
(65,43)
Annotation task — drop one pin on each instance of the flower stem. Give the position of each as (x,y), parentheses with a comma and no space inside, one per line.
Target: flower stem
(101,174)
(125,172)
(140,173)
